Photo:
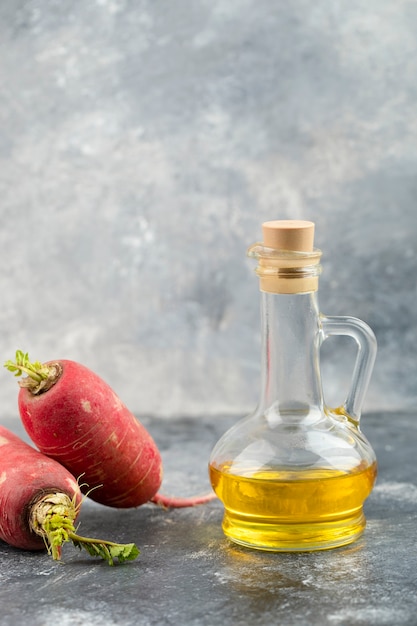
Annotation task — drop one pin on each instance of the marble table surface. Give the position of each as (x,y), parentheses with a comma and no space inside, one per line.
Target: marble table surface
(188,573)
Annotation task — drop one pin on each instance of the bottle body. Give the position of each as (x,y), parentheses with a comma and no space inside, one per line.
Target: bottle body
(299,504)
(294,475)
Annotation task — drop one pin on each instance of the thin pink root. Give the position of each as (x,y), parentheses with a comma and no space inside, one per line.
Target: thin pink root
(169,502)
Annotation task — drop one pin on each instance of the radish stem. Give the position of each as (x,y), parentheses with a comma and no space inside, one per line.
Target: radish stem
(40,377)
(53,517)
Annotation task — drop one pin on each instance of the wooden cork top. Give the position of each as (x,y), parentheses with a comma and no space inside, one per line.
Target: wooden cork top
(294,235)
(288,261)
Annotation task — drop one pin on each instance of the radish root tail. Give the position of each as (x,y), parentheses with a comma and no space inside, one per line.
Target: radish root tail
(171,502)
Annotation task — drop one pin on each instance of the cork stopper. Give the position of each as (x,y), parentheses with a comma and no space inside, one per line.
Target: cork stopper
(288,261)
(294,235)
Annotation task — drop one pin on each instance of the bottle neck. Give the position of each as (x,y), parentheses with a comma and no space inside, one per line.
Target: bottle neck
(291,383)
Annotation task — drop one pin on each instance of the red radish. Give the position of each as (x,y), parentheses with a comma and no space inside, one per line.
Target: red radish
(74,417)
(40,501)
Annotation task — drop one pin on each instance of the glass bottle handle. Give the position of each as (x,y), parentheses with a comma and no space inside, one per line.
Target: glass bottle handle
(365,358)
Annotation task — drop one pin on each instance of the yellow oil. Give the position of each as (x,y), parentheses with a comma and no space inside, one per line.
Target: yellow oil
(288,510)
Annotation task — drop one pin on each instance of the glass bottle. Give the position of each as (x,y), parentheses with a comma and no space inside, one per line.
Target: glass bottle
(293,475)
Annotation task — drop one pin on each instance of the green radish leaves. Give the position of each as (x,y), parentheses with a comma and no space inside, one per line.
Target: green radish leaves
(39,376)
(52,517)
(107,550)
(22,364)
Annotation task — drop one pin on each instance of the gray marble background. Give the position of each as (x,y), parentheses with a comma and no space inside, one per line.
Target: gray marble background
(142,145)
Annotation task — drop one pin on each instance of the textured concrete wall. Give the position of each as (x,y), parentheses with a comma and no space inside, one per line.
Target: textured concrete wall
(143,143)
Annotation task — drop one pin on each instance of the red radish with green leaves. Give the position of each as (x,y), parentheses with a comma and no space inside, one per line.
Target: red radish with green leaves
(74,417)
(40,501)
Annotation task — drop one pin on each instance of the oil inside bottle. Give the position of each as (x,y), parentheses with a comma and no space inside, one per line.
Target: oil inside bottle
(294,510)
